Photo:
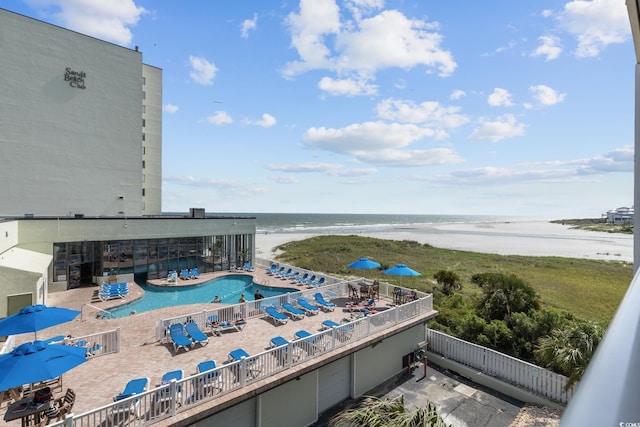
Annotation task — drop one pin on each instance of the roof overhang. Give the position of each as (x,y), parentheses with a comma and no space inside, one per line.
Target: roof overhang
(25,260)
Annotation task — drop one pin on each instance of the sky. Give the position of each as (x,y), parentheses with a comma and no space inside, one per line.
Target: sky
(382,106)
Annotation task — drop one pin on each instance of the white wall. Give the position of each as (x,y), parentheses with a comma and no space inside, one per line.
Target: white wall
(67,150)
(152,172)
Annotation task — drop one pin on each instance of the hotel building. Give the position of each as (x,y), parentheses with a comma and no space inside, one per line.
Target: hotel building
(81,143)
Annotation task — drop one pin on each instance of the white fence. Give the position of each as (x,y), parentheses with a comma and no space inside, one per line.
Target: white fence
(165,401)
(490,362)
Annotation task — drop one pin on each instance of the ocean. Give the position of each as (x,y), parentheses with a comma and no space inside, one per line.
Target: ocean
(267,223)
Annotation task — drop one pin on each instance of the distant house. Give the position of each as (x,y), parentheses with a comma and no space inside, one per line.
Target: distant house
(621,215)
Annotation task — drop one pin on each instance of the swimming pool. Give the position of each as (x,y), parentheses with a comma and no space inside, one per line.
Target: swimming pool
(228,288)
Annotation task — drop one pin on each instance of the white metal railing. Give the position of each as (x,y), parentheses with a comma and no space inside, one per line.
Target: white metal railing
(515,371)
(165,401)
(8,345)
(98,344)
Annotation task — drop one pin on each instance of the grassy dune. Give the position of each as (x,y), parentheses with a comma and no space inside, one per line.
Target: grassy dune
(590,289)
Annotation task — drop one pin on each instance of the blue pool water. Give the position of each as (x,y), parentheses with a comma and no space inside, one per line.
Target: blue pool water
(228,288)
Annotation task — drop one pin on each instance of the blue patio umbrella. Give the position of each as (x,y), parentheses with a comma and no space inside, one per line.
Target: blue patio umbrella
(33,318)
(401,270)
(364,264)
(38,361)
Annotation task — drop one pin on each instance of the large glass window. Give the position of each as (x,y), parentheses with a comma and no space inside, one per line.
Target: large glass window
(78,263)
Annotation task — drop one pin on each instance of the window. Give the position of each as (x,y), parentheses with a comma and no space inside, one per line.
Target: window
(144,80)
(144,108)
(143,164)
(143,192)
(144,95)
(144,136)
(144,122)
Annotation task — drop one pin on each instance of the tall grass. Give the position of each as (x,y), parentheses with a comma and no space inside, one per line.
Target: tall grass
(590,289)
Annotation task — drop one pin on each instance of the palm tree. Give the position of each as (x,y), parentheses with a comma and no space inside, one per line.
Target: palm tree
(375,412)
(568,351)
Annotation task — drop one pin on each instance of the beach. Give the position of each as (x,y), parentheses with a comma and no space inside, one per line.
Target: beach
(529,238)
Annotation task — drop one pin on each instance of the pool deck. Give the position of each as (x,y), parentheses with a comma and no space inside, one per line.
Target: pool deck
(99,379)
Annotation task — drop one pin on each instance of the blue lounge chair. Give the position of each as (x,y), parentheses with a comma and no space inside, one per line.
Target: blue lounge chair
(184,274)
(316,342)
(248,267)
(213,380)
(279,342)
(344,330)
(272,269)
(254,367)
(307,306)
(326,305)
(294,276)
(285,274)
(292,311)
(178,337)
(196,334)
(163,396)
(194,273)
(127,405)
(275,315)
(279,271)
(302,279)
(309,280)
(317,283)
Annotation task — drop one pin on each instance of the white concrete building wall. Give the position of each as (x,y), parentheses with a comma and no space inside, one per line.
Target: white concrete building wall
(374,365)
(71,121)
(152,141)
(293,404)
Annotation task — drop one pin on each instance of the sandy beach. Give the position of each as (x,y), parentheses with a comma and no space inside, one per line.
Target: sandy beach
(529,238)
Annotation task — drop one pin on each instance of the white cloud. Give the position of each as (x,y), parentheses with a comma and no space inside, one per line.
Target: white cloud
(409,158)
(549,48)
(202,71)
(596,24)
(267,121)
(170,108)
(317,19)
(305,167)
(104,20)
(286,179)
(349,87)
(248,25)
(503,127)
(500,98)
(220,118)
(362,46)
(429,112)
(457,94)
(368,136)
(380,143)
(546,96)
(615,161)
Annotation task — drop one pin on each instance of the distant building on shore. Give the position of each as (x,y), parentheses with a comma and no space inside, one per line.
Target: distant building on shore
(622,215)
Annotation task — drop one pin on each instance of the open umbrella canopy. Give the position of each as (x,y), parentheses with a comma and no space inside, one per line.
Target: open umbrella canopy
(33,318)
(38,361)
(401,270)
(364,263)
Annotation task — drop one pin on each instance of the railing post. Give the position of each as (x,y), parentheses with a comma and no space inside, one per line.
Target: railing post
(173,392)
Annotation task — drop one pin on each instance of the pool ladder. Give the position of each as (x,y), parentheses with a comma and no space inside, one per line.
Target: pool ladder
(105,313)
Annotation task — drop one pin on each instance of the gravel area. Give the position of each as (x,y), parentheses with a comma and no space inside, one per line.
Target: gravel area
(537,416)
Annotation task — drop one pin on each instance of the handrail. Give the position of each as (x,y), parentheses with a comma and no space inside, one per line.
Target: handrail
(109,314)
(608,391)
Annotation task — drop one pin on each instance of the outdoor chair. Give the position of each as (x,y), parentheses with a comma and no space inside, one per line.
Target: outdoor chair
(125,403)
(196,333)
(178,337)
(275,315)
(60,407)
(163,396)
(323,303)
(292,311)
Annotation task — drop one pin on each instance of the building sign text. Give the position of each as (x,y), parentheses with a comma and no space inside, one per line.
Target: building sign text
(75,78)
